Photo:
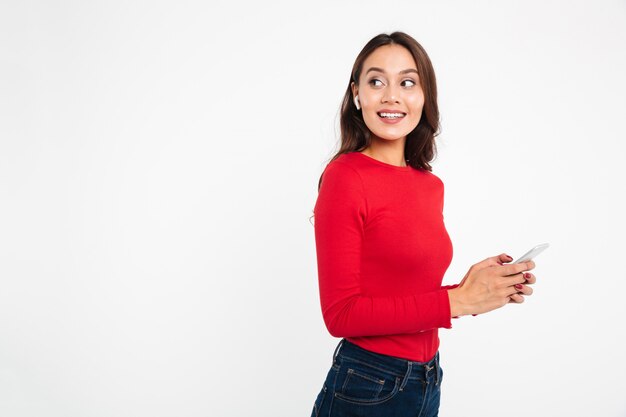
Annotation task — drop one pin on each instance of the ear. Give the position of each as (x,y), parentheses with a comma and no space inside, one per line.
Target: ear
(355,89)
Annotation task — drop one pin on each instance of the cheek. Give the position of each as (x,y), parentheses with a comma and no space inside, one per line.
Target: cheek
(416,102)
(365,100)
(370,118)
(368,108)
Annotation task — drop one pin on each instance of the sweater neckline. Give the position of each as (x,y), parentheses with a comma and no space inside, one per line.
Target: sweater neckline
(384,164)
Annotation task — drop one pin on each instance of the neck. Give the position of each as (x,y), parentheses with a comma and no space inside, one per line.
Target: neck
(388,151)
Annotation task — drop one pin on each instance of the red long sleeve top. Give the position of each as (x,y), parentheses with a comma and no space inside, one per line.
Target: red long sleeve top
(382,250)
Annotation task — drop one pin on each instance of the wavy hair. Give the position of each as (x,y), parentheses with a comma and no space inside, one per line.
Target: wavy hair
(420,148)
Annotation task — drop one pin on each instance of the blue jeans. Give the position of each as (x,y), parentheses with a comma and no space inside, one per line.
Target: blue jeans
(361,383)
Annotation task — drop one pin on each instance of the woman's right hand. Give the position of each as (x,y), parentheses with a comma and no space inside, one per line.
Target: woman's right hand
(488,285)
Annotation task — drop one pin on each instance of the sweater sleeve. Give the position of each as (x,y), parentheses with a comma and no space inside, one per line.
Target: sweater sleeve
(340,213)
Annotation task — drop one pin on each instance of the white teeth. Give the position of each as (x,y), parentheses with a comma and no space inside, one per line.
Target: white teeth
(391,115)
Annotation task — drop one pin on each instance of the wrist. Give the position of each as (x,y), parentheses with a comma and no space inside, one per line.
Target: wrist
(458,307)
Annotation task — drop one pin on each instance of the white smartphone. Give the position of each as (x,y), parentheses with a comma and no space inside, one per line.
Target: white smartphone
(532,253)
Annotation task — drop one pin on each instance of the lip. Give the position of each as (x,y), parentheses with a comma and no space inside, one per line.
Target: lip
(390,111)
(390,121)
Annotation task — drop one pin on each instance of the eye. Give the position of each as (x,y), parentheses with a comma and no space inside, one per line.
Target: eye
(373,82)
(411,83)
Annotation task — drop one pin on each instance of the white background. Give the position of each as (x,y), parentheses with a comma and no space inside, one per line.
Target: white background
(159,163)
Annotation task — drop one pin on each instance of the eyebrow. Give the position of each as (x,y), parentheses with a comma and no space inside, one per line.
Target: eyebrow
(406,71)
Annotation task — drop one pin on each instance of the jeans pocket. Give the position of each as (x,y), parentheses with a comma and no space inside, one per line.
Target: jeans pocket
(365,385)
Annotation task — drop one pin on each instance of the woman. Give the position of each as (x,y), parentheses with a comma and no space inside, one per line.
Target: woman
(382,247)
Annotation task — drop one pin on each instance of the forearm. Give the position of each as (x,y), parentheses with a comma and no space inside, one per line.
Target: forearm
(374,316)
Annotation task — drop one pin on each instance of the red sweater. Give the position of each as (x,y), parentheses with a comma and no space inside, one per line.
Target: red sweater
(382,250)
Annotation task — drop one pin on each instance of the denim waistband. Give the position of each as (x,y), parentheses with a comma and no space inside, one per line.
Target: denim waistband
(406,369)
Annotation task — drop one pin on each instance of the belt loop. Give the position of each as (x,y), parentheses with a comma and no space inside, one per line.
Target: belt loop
(406,376)
(337,350)
(427,369)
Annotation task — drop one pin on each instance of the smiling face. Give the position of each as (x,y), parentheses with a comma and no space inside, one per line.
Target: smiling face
(390,93)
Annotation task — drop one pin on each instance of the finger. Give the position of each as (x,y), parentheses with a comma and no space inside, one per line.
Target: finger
(512,280)
(511,269)
(516,298)
(503,258)
(530,278)
(494,261)
(524,289)
(516,288)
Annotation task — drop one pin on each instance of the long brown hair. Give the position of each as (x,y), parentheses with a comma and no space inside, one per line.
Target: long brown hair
(420,148)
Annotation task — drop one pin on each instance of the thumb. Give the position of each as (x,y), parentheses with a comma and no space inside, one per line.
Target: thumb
(504,258)
(495,260)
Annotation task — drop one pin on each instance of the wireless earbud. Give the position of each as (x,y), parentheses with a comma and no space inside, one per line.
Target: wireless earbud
(356,102)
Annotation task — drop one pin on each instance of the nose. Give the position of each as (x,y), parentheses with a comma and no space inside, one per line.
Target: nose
(390,95)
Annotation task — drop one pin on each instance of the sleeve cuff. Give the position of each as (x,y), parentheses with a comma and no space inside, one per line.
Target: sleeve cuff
(444,303)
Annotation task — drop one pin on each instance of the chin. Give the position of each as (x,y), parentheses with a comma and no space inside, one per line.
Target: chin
(390,136)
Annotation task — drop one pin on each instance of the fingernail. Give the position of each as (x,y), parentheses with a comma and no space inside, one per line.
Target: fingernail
(527,275)
(519,286)
(510,258)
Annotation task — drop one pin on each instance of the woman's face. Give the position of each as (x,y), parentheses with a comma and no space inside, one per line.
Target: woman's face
(390,92)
